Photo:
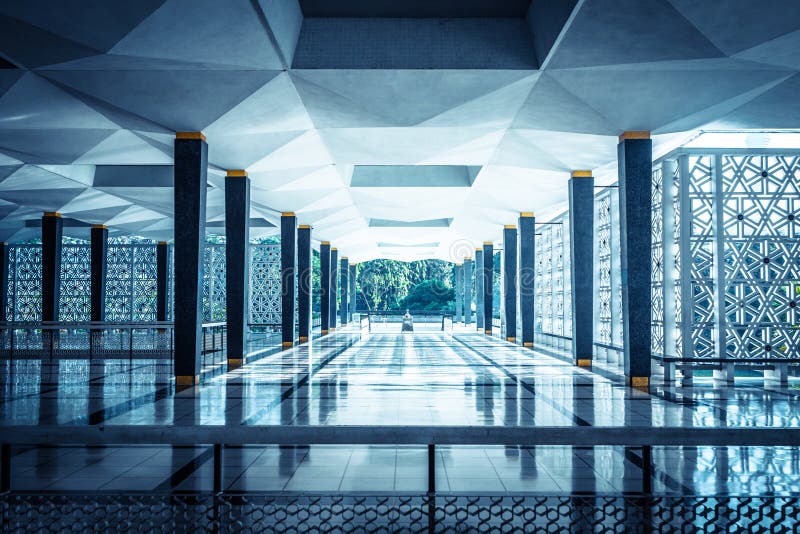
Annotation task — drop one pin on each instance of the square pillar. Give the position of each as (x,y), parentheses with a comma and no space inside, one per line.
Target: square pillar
(488,285)
(190,185)
(288,277)
(468,268)
(162,280)
(325,286)
(304,256)
(479,289)
(344,289)
(99,262)
(52,231)
(635,161)
(237,264)
(352,279)
(581,243)
(3,281)
(459,283)
(510,281)
(334,287)
(527,275)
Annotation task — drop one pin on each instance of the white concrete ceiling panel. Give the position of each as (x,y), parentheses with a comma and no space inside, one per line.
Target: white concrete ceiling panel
(616,93)
(92,93)
(185,100)
(203,31)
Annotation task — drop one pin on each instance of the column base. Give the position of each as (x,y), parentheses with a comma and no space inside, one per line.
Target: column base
(303,339)
(528,344)
(511,339)
(234,363)
(287,344)
(332,330)
(487,332)
(778,375)
(584,363)
(725,374)
(188,380)
(324,332)
(638,382)
(183,383)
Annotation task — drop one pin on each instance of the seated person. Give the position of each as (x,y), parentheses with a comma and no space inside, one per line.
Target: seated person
(408,322)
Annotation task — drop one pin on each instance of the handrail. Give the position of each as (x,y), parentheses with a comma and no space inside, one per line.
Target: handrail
(63,325)
(633,436)
(402,312)
(558,336)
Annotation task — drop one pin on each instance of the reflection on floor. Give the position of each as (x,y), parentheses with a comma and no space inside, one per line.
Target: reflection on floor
(482,470)
(393,379)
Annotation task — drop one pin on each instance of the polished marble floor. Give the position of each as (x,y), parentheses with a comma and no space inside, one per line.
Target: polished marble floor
(354,378)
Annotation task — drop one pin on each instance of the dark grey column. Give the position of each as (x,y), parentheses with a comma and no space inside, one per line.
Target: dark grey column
(99,249)
(334,287)
(190,185)
(288,277)
(510,281)
(352,279)
(459,283)
(3,281)
(304,256)
(527,275)
(635,160)
(237,264)
(52,231)
(479,289)
(468,291)
(488,285)
(162,280)
(325,286)
(345,286)
(581,244)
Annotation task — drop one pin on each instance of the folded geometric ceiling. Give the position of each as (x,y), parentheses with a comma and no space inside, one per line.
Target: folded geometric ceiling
(447,117)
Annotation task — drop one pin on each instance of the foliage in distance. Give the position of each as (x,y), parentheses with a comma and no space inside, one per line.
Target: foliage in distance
(393,285)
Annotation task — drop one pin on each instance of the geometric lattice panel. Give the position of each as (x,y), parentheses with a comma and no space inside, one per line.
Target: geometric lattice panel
(131,283)
(603,269)
(552,292)
(761,200)
(75,295)
(701,253)
(25,283)
(214,283)
(265,284)
(657,258)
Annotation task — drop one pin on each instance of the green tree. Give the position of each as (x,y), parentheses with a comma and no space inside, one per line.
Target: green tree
(383,284)
(429,295)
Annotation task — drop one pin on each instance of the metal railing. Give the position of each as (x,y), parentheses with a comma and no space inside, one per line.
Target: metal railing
(218,436)
(99,340)
(60,340)
(420,317)
(219,509)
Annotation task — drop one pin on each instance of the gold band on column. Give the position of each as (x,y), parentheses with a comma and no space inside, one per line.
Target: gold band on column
(190,135)
(634,134)
(187,380)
